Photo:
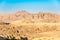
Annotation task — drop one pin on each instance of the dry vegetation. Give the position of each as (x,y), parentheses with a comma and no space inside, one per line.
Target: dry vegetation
(31,30)
(41,26)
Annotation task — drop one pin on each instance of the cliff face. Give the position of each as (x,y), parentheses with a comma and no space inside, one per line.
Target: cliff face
(39,17)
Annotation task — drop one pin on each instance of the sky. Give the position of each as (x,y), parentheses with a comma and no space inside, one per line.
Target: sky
(32,6)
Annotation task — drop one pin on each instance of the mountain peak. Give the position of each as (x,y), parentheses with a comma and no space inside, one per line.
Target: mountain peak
(23,11)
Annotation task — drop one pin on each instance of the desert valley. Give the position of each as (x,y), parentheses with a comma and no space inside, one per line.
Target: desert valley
(38,26)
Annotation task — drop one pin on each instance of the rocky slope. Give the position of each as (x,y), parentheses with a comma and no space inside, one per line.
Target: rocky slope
(30,30)
(38,17)
(24,24)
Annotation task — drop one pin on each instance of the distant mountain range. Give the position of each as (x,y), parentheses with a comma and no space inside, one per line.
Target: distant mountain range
(38,17)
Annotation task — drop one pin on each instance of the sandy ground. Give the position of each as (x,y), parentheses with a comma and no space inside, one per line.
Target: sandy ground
(31,30)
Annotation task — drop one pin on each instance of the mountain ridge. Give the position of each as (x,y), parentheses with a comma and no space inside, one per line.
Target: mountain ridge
(43,17)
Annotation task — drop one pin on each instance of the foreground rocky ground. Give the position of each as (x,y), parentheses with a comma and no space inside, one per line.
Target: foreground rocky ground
(31,30)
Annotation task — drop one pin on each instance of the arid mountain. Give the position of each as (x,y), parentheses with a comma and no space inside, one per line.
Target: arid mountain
(39,26)
(38,17)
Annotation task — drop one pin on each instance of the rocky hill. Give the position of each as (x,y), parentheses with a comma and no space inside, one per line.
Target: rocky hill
(39,26)
(38,17)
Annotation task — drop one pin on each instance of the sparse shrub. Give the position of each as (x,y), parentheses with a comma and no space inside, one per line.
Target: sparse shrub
(10,38)
(4,23)
(24,38)
(17,31)
(13,38)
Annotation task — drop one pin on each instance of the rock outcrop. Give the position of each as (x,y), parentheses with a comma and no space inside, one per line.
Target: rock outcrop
(38,17)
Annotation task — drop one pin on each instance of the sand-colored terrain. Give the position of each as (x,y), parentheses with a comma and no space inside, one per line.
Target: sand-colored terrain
(31,30)
(41,26)
(38,17)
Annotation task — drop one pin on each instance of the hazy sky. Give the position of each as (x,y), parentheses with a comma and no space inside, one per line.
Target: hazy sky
(12,6)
